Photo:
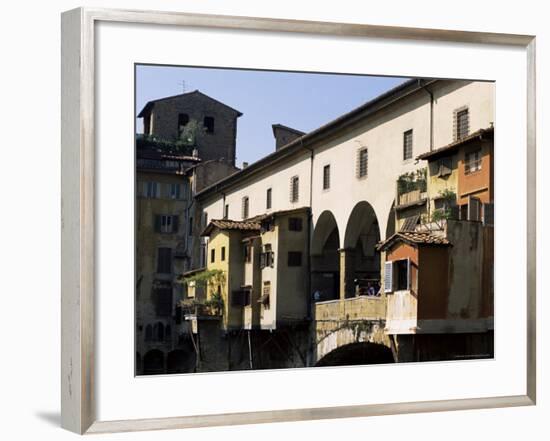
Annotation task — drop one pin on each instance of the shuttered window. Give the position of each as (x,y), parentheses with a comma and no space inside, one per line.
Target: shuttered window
(407,145)
(152,189)
(175,191)
(472,162)
(294,189)
(166,223)
(295,224)
(388,277)
(244,211)
(489,214)
(362,167)
(326,177)
(164,261)
(294,258)
(163,300)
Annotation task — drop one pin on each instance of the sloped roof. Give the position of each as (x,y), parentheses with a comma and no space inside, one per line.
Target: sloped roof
(151,103)
(413,238)
(288,129)
(226,224)
(450,148)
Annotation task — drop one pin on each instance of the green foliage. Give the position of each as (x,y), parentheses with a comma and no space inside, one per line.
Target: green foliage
(415,180)
(449,200)
(215,303)
(165,146)
(205,277)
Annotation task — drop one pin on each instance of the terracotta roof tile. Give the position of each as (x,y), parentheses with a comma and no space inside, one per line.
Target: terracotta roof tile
(226,224)
(453,145)
(414,238)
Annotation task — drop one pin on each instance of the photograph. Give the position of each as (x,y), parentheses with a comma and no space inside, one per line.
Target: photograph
(305,219)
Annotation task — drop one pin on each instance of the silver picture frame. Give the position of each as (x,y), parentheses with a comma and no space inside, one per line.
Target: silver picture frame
(78,399)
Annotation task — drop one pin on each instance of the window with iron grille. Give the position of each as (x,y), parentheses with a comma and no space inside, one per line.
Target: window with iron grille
(407,145)
(472,162)
(326,177)
(164,261)
(295,224)
(268,199)
(462,123)
(244,211)
(294,189)
(362,162)
(294,258)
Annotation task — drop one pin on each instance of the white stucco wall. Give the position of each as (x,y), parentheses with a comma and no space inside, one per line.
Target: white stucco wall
(382,134)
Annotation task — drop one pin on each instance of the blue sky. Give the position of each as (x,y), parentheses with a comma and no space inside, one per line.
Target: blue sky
(303,101)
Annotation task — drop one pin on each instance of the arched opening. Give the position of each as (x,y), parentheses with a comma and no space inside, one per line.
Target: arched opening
(181,361)
(357,354)
(390,226)
(148,333)
(325,262)
(360,261)
(153,362)
(158,331)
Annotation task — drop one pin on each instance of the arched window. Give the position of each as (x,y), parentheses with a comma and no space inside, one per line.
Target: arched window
(148,333)
(159,331)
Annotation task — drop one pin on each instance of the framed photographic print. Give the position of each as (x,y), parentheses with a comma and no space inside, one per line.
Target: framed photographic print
(304,219)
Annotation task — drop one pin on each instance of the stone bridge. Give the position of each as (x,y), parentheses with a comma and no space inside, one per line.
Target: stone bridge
(351,331)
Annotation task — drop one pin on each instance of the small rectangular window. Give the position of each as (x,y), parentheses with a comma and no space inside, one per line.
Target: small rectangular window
(462,123)
(326,177)
(408,145)
(151,189)
(245,207)
(294,258)
(362,162)
(212,255)
(223,254)
(183,119)
(164,261)
(248,253)
(209,124)
(268,199)
(472,162)
(294,189)
(295,224)
(175,191)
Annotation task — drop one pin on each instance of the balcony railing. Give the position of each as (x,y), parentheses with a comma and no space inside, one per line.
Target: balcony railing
(354,308)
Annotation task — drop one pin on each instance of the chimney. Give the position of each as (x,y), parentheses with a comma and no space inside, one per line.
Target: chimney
(284,135)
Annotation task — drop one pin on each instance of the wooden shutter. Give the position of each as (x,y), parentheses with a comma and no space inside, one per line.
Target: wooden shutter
(157,223)
(409,278)
(474,205)
(388,277)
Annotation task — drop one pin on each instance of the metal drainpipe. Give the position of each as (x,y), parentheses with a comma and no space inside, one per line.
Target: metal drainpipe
(309,222)
(429,92)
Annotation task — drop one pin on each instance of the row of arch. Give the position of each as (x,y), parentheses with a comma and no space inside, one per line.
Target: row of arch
(157,362)
(157,332)
(338,267)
